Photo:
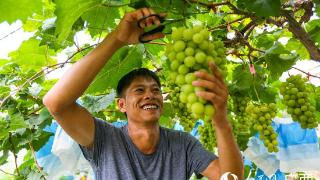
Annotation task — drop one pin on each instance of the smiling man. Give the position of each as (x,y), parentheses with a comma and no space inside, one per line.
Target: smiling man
(142,149)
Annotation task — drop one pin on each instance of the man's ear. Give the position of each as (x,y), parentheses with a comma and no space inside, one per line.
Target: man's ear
(121,104)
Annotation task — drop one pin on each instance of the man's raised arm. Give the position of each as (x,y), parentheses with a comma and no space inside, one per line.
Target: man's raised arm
(61,99)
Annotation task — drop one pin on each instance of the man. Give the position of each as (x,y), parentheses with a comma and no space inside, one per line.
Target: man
(142,149)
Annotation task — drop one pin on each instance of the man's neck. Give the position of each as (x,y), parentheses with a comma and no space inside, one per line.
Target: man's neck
(145,136)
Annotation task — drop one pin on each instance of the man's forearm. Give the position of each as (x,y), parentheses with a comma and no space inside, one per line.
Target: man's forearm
(229,154)
(81,74)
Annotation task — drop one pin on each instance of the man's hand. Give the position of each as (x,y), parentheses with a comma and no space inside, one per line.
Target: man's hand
(216,92)
(128,31)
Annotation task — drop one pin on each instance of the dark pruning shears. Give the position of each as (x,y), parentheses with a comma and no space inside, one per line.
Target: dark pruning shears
(154,28)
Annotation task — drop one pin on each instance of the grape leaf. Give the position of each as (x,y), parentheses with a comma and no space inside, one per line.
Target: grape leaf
(4,157)
(242,79)
(279,60)
(263,8)
(12,10)
(313,29)
(32,56)
(97,103)
(17,122)
(295,45)
(100,19)
(68,12)
(121,63)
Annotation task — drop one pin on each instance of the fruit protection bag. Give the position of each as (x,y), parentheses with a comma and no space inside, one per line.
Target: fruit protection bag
(298,148)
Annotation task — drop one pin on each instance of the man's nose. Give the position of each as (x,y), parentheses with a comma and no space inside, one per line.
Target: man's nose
(149,94)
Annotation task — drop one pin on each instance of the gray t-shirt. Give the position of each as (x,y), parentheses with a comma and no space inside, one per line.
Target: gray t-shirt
(114,156)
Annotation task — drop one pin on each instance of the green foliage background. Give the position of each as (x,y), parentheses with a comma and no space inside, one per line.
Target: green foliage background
(257,24)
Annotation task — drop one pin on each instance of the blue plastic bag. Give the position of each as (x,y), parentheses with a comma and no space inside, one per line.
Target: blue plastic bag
(298,148)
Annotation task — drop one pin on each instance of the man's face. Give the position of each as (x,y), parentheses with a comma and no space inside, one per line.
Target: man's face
(142,100)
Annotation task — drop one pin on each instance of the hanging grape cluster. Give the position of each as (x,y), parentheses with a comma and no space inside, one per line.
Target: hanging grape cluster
(180,109)
(208,138)
(295,96)
(239,108)
(192,50)
(262,115)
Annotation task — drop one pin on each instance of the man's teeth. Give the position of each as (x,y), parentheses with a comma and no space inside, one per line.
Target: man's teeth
(147,107)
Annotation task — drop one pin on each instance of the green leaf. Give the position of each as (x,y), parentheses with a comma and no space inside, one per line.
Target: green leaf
(40,139)
(263,8)
(279,60)
(295,45)
(68,12)
(3,62)
(32,56)
(313,29)
(123,61)
(98,103)
(167,5)
(12,10)
(35,175)
(100,19)
(44,118)
(4,157)
(242,78)
(17,122)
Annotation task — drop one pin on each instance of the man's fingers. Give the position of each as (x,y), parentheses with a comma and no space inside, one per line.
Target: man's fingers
(211,97)
(153,36)
(154,18)
(210,77)
(215,71)
(140,15)
(210,86)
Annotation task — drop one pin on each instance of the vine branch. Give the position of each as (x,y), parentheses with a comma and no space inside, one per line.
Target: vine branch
(14,154)
(10,33)
(7,172)
(302,35)
(35,159)
(308,74)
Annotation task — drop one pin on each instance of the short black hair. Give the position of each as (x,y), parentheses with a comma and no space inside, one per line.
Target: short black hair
(127,79)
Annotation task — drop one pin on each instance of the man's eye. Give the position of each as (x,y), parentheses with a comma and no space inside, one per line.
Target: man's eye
(156,90)
(139,90)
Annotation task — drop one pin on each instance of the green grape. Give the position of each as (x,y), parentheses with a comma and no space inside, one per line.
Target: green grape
(177,34)
(174,65)
(179,46)
(187,88)
(263,124)
(209,110)
(189,51)
(192,97)
(190,77)
(197,38)
(187,34)
(189,61)
(180,79)
(183,69)
(197,108)
(295,98)
(200,57)
(180,56)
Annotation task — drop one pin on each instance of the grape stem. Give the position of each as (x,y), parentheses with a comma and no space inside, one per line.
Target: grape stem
(308,74)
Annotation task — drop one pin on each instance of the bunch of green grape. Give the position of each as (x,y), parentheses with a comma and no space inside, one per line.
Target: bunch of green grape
(262,115)
(239,108)
(207,135)
(180,109)
(295,96)
(192,50)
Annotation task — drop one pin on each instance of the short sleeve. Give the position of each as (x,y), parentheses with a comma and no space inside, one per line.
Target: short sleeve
(102,130)
(198,158)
